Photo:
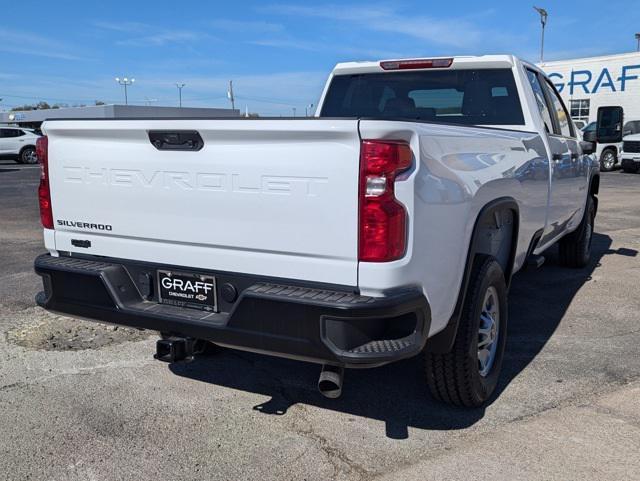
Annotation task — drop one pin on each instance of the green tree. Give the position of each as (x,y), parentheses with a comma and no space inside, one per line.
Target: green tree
(23,107)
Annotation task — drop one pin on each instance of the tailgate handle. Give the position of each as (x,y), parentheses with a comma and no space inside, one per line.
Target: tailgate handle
(176,139)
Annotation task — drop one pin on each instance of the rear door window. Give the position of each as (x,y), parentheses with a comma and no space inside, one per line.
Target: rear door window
(471,97)
(541,101)
(559,111)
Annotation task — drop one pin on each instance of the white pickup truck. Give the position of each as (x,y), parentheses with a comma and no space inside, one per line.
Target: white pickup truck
(388,225)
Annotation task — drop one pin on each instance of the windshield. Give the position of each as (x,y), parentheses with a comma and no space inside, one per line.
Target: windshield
(473,97)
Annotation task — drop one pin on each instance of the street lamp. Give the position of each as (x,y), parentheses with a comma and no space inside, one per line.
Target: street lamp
(543,20)
(638,39)
(125,82)
(180,87)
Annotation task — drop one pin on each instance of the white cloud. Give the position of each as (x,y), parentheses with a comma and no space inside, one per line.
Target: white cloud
(123,26)
(28,43)
(296,44)
(459,32)
(146,35)
(162,38)
(246,27)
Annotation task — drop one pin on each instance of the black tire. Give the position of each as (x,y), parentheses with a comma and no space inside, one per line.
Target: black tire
(608,160)
(28,156)
(575,248)
(455,377)
(628,169)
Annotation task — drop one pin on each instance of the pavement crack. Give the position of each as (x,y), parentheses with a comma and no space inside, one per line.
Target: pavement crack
(340,462)
(80,371)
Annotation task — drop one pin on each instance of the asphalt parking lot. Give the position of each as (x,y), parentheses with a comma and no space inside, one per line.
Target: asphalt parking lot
(87,402)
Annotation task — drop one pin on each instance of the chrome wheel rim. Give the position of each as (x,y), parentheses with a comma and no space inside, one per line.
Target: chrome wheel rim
(488,331)
(30,157)
(608,160)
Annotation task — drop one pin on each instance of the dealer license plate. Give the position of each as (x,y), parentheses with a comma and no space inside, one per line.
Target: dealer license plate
(187,290)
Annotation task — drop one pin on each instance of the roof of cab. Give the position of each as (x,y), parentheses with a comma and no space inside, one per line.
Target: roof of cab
(482,61)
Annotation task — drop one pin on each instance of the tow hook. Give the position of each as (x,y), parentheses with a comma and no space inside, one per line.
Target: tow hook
(177,349)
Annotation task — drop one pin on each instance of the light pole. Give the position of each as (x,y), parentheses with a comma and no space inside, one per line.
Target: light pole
(180,87)
(125,82)
(306,109)
(638,39)
(543,20)
(294,111)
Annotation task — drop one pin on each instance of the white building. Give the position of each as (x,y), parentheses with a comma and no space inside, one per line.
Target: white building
(588,83)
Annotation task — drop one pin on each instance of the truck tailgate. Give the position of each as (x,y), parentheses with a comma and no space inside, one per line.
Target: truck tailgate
(267,197)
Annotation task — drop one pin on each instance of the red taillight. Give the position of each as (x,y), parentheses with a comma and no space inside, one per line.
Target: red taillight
(416,63)
(382,218)
(44,193)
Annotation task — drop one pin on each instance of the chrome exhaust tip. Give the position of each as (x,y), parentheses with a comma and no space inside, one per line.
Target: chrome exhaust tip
(330,381)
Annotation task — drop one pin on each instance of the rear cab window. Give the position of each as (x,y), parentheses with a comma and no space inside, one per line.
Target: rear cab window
(460,96)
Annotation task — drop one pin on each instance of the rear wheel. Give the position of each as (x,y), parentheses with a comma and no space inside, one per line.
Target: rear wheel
(608,160)
(28,156)
(468,374)
(575,248)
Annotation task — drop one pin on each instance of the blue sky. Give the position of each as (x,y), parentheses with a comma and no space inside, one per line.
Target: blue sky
(278,54)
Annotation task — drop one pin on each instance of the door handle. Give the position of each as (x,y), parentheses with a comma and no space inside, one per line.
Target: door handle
(176,139)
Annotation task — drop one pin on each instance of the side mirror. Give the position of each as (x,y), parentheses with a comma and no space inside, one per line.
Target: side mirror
(587,147)
(589,136)
(609,125)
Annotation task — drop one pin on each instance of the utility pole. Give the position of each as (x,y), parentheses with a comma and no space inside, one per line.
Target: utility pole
(230,95)
(294,111)
(180,87)
(543,21)
(638,39)
(307,108)
(125,82)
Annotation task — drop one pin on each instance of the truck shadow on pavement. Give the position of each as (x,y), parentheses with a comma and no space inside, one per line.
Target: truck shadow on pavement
(397,393)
